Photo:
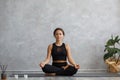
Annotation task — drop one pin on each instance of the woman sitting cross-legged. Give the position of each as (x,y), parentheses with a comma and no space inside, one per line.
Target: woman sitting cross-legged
(60,53)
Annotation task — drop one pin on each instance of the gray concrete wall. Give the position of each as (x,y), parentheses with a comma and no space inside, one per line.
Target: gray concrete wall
(26,28)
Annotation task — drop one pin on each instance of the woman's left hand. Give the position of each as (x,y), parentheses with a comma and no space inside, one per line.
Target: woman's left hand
(77,66)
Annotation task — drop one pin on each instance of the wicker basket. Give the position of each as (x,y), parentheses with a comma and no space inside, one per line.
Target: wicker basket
(112,66)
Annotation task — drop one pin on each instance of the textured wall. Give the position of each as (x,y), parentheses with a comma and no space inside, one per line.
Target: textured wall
(26,28)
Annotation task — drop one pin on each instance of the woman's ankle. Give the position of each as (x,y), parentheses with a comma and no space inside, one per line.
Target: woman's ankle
(50,74)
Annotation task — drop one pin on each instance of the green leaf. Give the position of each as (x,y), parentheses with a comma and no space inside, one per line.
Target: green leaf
(116,38)
(118,41)
(110,42)
(118,51)
(107,55)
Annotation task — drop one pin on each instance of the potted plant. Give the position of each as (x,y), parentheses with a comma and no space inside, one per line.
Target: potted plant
(3,74)
(112,54)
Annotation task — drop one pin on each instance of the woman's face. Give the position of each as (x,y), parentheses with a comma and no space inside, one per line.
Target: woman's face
(59,35)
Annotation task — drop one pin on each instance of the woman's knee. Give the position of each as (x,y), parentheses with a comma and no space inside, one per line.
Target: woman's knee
(50,69)
(72,70)
(46,68)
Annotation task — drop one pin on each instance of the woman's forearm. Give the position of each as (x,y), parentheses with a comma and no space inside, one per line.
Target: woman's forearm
(71,61)
(46,61)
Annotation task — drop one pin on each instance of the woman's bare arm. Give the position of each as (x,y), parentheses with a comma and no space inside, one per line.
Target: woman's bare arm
(70,59)
(48,57)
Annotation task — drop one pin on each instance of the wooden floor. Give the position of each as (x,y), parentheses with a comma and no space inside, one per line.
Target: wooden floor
(78,76)
(65,78)
(101,74)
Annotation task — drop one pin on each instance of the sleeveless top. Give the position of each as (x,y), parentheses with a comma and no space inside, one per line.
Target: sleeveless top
(59,52)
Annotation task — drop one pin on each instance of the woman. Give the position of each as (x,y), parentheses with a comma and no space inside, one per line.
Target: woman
(60,53)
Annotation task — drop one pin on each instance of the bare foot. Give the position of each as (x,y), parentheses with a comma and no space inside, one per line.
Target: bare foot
(65,67)
(50,74)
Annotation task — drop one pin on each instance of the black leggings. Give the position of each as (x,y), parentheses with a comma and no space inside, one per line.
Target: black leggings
(57,68)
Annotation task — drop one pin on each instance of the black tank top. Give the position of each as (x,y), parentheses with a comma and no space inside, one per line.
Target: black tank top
(59,52)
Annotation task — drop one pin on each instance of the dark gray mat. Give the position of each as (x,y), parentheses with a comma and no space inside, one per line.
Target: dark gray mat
(76,75)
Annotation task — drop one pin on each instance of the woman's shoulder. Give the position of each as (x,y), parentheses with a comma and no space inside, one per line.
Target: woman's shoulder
(66,45)
(50,46)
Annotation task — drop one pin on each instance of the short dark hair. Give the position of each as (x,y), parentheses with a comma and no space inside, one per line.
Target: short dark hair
(60,30)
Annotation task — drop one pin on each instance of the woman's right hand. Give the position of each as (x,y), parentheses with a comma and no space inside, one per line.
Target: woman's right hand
(77,66)
(42,64)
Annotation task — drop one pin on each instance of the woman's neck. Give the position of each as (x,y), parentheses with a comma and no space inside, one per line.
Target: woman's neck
(58,43)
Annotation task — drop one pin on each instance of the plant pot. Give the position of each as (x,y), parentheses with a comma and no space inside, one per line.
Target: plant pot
(3,76)
(112,66)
